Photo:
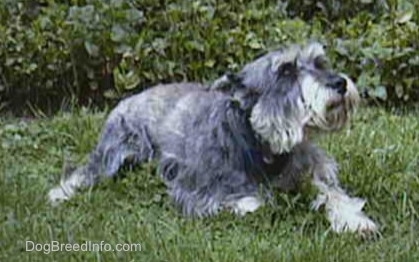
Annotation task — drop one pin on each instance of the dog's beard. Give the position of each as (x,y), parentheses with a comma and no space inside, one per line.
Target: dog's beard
(327,109)
(281,132)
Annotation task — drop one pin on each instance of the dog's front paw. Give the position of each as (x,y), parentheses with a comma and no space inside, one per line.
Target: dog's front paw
(352,222)
(345,215)
(57,195)
(244,205)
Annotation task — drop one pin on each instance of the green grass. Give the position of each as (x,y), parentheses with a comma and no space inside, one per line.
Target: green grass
(378,157)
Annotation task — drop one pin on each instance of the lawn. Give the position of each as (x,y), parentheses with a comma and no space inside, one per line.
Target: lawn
(378,156)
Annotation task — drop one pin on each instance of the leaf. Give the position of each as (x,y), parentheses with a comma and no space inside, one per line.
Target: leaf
(73,12)
(254,44)
(126,81)
(157,198)
(210,63)
(93,85)
(84,14)
(44,22)
(342,50)
(414,60)
(116,3)
(379,92)
(135,15)
(49,84)
(118,33)
(123,49)
(409,82)
(32,67)
(10,61)
(399,90)
(92,49)
(195,45)
(111,94)
(404,17)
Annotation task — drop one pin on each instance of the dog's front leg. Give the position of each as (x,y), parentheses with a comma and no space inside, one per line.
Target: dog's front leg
(343,212)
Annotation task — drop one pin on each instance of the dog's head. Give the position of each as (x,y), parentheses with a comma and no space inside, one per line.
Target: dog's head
(291,90)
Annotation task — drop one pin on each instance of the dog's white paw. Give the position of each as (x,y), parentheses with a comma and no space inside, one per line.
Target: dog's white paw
(65,190)
(351,222)
(345,214)
(245,205)
(57,195)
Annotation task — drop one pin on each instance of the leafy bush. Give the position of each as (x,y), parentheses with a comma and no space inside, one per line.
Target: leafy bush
(60,52)
(331,10)
(376,41)
(95,51)
(385,59)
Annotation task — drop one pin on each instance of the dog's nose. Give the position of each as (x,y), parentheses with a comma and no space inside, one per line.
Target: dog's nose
(338,83)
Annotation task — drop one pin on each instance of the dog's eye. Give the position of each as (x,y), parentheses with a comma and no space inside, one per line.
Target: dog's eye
(321,63)
(287,68)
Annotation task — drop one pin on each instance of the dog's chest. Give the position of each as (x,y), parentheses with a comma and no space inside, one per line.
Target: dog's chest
(269,166)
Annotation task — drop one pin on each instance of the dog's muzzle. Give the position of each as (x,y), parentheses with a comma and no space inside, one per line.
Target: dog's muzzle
(338,84)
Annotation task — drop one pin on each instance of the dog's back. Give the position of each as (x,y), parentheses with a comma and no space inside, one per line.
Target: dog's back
(150,106)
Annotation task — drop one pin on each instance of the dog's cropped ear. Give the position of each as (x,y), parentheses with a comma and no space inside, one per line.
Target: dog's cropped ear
(229,82)
(235,80)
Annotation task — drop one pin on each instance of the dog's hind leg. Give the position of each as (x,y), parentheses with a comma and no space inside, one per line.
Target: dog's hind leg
(205,192)
(119,143)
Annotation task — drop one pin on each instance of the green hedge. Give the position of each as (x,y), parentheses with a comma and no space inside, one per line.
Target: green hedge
(55,53)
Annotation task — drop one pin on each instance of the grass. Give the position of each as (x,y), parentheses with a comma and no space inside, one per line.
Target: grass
(378,157)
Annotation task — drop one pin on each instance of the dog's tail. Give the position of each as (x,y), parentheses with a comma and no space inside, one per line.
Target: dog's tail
(118,144)
(74,179)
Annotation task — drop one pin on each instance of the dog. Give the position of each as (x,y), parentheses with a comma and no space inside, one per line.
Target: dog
(228,146)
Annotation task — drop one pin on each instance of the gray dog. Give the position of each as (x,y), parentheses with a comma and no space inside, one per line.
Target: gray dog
(228,149)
